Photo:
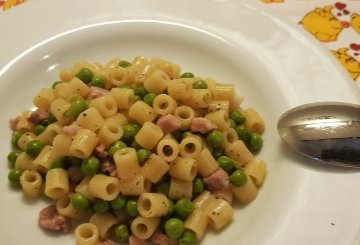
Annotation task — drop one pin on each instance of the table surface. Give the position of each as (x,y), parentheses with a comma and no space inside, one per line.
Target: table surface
(334,24)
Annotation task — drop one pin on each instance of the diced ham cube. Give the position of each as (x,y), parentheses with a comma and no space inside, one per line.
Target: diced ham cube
(133,240)
(50,219)
(202,125)
(217,181)
(38,116)
(96,92)
(169,123)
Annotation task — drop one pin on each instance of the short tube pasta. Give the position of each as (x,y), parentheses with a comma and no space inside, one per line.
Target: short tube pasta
(219,212)
(220,119)
(86,234)
(104,187)
(153,205)
(168,148)
(110,132)
(31,183)
(246,193)
(179,89)
(124,97)
(254,121)
(143,227)
(104,222)
(197,222)
(64,207)
(164,104)
(43,161)
(135,186)
(90,119)
(44,98)
(142,112)
(184,168)
(106,105)
(154,168)
(157,82)
(256,169)
(127,163)
(239,152)
(190,146)
(83,144)
(149,135)
(206,163)
(180,189)
(185,114)
(57,183)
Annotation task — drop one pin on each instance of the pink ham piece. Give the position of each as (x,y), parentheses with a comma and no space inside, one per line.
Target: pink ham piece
(107,166)
(107,242)
(14,122)
(159,238)
(133,240)
(169,123)
(71,129)
(101,151)
(201,125)
(96,92)
(217,181)
(50,219)
(38,116)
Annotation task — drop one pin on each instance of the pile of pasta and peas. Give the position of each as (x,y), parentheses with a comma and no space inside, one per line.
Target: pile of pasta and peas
(137,152)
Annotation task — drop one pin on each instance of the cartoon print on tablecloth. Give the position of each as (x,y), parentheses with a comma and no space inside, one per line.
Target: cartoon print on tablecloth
(5,5)
(355,22)
(350,59)
(324,23)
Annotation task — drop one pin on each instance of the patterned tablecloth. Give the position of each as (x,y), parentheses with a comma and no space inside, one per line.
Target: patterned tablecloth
(335,24)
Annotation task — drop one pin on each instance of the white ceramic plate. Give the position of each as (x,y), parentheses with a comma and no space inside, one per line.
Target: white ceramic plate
(273,65)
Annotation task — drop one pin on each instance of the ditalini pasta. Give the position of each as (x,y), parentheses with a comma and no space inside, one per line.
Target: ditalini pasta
(137,150)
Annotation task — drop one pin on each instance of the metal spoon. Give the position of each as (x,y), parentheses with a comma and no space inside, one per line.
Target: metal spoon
(325,131)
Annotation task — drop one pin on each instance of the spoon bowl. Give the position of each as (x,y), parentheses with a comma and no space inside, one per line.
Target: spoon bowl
(325,131)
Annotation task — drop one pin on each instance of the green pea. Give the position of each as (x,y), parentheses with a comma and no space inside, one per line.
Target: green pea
(255,142)
(143,155)
(238,178)
(90,166)
(174,228)
(137,98)
(118,203)
(85,75)
(163,188)
(129,132)
(75,160)
(100,206)
(149,98)
(243,133)
(184,207)
(12,156)
(186,133)
(177,134)
(232,123)
(39,129)
(140,91)
(77,106)
(217,153)
(117,145)
(136,146)
(14,177)
(122,232)
(15,136)
(98,81)
(199,84)
(59,163)
(51,118)
(53,86)
(80,201)
(238,117)
(198,186)
(188,238)
(171,209)
(187,75)
(124,63)
(34,147)
(215,139)
(226,163)
(132,208)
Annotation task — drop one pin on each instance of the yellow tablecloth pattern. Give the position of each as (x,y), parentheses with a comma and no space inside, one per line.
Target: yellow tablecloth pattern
(335,24)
